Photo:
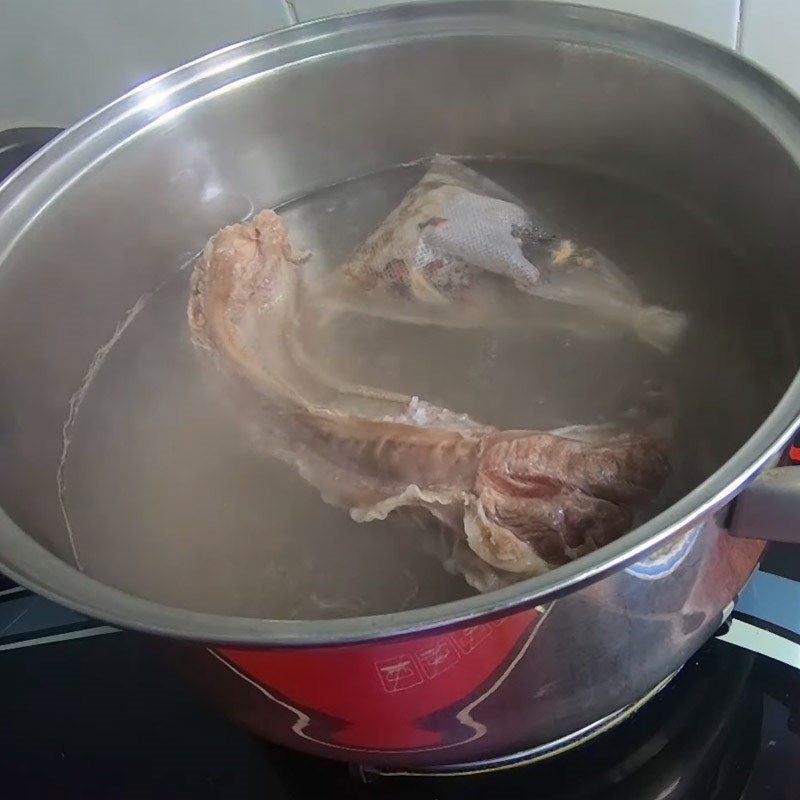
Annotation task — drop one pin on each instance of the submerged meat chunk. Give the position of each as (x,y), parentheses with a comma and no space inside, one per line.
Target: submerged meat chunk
(515,503)
(562,497)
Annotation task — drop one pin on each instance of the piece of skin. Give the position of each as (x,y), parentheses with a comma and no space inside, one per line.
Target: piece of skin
(523,501)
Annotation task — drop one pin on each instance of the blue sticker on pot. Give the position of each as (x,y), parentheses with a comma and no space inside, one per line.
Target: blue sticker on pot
(666,559)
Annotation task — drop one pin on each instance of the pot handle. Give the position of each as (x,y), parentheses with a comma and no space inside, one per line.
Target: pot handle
(769,507)
(766,618)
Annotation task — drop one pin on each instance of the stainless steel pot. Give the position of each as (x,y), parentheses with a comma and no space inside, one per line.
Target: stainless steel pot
(102,215)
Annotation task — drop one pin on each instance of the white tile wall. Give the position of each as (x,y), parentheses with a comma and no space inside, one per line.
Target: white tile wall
(61,59)
(771,36)
(714,19)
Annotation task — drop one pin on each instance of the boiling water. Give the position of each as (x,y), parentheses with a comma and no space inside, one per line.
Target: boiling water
(168,497)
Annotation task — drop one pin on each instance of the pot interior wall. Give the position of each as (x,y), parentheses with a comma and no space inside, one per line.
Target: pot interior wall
(132,218)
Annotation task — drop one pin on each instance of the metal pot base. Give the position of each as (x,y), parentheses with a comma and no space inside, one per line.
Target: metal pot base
(526,757)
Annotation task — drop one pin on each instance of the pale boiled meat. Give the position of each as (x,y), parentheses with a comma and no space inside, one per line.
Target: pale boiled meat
(514,503)
(461,251)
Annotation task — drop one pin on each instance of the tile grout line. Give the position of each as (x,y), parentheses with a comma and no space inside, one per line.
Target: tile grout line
(60,637)
(16,619)
(763,642)
(291,11)
(739,25)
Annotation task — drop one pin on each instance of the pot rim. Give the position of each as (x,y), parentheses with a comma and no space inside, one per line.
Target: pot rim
(25,194)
